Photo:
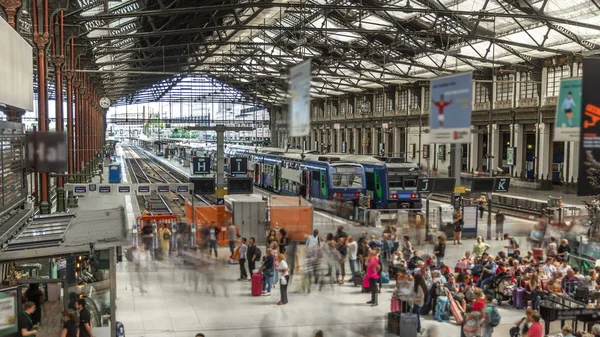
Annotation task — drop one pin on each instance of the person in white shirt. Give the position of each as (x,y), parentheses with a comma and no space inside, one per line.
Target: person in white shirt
(242,258)
(352,251)
(549,268)
(284,279)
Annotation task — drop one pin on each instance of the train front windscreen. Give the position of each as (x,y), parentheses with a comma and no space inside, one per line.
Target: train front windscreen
(347,176)
(399,178)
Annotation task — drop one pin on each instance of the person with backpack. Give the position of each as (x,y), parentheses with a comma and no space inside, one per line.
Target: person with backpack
(491,317)
(472,323)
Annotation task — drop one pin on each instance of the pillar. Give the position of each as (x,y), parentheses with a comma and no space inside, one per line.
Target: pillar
(495,150)
(396,148)
(59,60)
(572,161)
(474,155)
(41,41)
(339,140)
(356,143)
(518,143)
(543,152)
(374,142)
(10,7)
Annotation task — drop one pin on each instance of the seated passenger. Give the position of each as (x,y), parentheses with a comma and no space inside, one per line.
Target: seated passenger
(489,271)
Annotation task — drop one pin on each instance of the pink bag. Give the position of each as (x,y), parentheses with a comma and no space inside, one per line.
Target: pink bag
(366,282)
(396,305)
(461,266)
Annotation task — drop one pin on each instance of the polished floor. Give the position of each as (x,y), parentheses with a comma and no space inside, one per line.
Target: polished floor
(159,299)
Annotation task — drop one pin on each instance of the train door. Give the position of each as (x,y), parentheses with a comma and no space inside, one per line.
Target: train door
(257,173)
(315,184)
(305,184)
(277,179)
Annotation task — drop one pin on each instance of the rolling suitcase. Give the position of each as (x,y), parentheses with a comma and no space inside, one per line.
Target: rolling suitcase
(519,298)
(158,254)
(538,252)
(408,325)
(357,279)
(455,310)
(256,284)
(393,323)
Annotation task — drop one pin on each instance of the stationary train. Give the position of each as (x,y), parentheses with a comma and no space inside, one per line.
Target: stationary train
(389,182)
(314,176)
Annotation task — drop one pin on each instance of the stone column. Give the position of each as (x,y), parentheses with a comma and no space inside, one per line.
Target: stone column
(374,143)
(572,161)
(396,148)
(474,155)
(544,155)
(339,140)
(356,141)
(518,169)
(495,143)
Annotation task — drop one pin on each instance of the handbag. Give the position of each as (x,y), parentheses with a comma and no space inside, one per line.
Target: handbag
(167,236)
(283,280)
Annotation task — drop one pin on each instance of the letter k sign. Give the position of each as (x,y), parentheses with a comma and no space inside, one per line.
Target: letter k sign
(501,184)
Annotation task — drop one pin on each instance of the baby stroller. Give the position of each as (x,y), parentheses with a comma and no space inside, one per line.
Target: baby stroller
(501,289)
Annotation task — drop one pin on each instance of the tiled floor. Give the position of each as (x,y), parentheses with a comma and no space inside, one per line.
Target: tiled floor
(169,306)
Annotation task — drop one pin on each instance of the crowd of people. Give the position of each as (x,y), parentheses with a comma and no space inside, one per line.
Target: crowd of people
(424,284)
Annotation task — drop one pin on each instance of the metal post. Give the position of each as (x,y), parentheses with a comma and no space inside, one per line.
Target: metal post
(488,235)
(567,166)
(113,290)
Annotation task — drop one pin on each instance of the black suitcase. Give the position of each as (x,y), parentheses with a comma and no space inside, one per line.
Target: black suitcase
(158,254)
(393,323)
(357,279)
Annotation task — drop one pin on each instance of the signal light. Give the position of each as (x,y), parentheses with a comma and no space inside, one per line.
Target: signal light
(394,196)
(357,195)
(413,196)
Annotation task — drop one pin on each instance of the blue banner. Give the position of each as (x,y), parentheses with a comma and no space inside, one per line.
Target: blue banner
(450,109)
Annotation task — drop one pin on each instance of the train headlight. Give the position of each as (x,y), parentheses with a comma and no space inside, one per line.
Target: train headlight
(357,195)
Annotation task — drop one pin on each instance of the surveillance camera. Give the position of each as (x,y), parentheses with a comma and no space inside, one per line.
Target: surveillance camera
(499,170)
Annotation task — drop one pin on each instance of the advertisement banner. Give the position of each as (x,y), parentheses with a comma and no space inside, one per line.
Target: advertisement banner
(450,112)
(568,111)
(589,145)
(299,111)
(8,313)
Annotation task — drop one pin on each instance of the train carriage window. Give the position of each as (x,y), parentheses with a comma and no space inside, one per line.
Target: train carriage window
(370,180)
(316,176)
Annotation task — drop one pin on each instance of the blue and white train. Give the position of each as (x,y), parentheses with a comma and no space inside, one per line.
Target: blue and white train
(313,176)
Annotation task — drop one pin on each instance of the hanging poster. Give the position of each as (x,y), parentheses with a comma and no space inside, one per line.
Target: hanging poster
(8,313)
(299,111)
(589,145)
(568,111)
(450,112)
(510,156)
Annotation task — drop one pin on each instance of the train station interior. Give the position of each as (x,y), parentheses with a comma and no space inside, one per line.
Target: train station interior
(298,168)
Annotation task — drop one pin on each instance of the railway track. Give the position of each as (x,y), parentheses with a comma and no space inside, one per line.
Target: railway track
(143,172)
(519,212)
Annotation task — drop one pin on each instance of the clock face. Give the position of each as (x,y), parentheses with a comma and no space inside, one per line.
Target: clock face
(104,102)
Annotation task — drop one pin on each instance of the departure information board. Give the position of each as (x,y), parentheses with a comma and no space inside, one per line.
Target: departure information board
(12,165)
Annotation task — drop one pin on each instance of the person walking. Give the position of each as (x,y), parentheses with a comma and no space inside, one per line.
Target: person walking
(164,239)
(232,233)
(70,324)
(243,254)
(283,241)
(284,279)
(500,218)
(213,231)
(85,325)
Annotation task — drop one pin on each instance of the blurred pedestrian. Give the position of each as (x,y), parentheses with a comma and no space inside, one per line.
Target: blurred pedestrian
(70,324)
(285,278)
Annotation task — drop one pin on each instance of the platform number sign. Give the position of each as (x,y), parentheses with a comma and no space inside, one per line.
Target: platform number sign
(238,166)
(424,185)
(200,165)
(501,185)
